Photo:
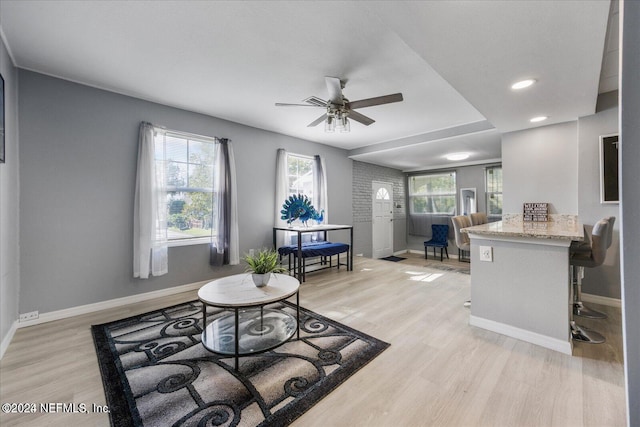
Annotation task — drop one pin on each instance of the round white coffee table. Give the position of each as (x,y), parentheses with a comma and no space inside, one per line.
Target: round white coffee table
(251,328)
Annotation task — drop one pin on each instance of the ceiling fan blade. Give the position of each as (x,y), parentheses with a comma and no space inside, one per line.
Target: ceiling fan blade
(378,100)
(317,121)
(335,90)
(360,118)
(281,104)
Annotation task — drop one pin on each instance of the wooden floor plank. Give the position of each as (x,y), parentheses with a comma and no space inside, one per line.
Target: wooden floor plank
(438,370)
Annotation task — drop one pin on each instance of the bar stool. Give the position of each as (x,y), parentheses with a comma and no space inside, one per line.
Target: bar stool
(478,218)
(579,260)
(579,309)
(462,239)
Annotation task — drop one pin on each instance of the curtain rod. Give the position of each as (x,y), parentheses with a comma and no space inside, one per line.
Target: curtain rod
(186,134)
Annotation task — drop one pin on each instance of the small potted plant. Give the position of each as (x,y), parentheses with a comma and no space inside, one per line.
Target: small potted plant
(262,264)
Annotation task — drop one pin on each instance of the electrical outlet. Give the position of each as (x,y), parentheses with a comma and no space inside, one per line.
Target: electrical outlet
(486,253)
(252,252)
(25,317)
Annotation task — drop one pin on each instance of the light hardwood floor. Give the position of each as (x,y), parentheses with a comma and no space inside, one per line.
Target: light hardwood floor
(438,371)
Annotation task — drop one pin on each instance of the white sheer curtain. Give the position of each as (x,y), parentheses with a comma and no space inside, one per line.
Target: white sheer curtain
(150,253)
(234,241)
(224,239)
(282,193)
(320,187)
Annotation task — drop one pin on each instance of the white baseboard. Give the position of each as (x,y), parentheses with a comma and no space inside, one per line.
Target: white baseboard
(113,303)
(597,299)
(7,339)
(565,347)
(400,252)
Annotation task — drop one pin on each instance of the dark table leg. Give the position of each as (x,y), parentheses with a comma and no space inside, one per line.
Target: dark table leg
(274,239)
(350,262)
(204,320)
(237,338)
(300,278)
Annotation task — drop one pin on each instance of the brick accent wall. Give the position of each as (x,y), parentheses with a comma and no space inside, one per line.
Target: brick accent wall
(363,175)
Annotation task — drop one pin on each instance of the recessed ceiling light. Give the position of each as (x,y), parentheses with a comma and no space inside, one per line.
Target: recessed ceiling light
(538,119)
(523,84)
(457,156)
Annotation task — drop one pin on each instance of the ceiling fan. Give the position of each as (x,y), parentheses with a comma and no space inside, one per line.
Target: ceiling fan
(339,109)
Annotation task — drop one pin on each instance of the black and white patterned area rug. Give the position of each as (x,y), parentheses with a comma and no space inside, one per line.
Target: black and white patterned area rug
(156,372)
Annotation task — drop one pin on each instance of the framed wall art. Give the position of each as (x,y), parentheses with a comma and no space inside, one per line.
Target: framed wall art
(609,169)
(2,121)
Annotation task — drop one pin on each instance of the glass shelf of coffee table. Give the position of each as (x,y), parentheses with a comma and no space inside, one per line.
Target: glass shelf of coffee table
(252,325)
(259,330)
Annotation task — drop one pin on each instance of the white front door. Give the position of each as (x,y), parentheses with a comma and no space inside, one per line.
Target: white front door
(382,196)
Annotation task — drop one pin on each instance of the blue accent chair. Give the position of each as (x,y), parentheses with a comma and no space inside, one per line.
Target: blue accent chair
(439,233)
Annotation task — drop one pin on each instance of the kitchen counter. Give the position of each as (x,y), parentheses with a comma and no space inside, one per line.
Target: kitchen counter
(561,227)
(521,280)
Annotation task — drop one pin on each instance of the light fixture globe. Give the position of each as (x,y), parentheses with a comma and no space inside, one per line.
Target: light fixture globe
(330,124)
(522,84)
(457,156)
(538,119)
(346,126)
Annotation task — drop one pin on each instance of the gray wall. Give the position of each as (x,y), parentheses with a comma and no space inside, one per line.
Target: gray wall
(78,149)
(630,154)
(541,165)
(559,164)
(363,175)
(604,280)
(9,218)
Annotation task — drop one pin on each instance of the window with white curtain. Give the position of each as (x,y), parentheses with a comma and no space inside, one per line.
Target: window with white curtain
(300,174)
(433,193)
(493,179)
(188,165)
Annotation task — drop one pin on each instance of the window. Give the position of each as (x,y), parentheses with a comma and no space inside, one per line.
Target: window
(382,194)
(300,175)
(187,162)
(433,193)
(493,176)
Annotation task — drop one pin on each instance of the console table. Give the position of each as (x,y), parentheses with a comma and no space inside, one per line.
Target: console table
(251,328)
(300,230)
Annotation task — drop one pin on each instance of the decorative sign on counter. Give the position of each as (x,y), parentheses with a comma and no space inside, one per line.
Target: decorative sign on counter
(536,212)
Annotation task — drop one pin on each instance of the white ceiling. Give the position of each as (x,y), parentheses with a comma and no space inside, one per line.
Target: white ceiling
(453,61)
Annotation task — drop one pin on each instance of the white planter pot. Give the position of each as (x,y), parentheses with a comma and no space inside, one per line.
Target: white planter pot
(260,279)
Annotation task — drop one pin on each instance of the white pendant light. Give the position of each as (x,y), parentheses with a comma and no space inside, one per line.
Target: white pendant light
(330,124)
(346,126)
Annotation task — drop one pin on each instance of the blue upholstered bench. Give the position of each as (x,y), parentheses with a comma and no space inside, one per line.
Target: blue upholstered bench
(322,249)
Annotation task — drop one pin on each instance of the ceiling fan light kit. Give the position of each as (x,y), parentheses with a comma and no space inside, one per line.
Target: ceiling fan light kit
(339,108)
(337,119)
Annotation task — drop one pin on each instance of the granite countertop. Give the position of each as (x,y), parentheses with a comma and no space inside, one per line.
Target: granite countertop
(562,227)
